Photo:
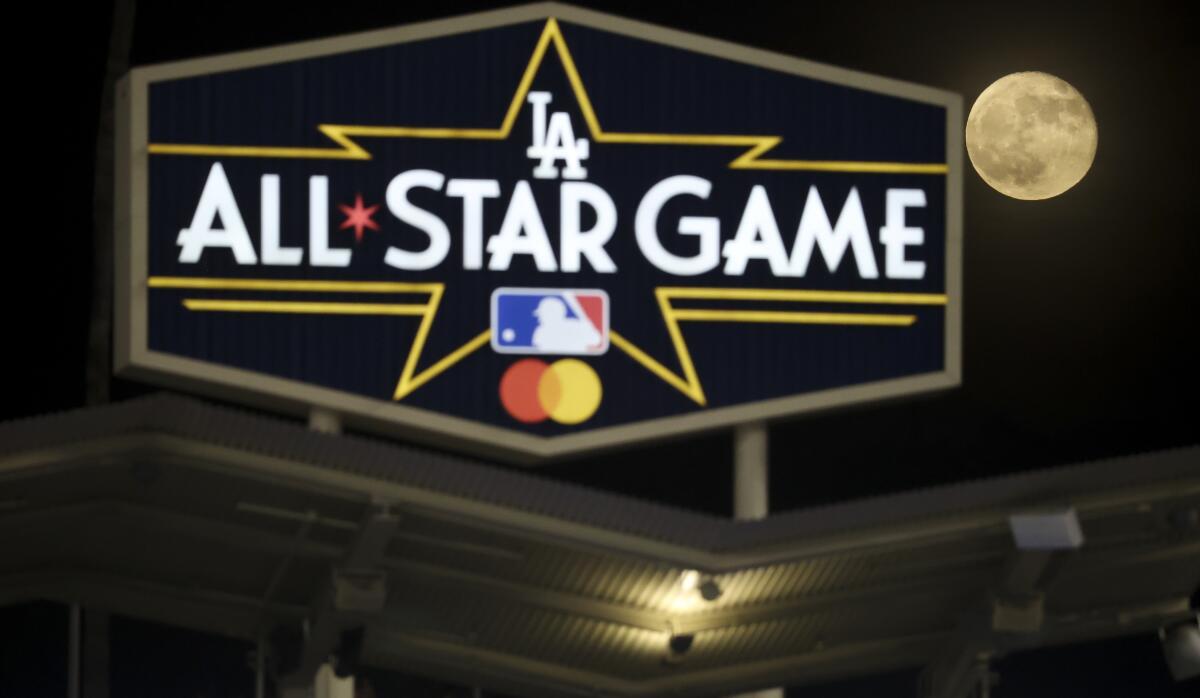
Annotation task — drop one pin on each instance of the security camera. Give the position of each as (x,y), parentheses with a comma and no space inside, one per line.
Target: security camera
(680,644)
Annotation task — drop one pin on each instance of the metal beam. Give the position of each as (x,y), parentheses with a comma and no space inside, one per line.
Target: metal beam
(476,585)
(751,472)
(535,596)
(196,527)
(1015,607)
(251,538)
(1024,571)
(1102,623)
(206,610)
(552,530)
(75,651)
(532,526)
(98,370)
(537,677)
(328,619)
(373,536)
(95,653)
(960,667)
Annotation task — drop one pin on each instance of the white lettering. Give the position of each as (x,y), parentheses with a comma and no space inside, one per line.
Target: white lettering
(707,229)
(555,141)
(318,227)
(473,192)
(575,243)
(757,237)
(216,200)
(850,231)
(522,216)
(272,253)
(895,236)
(419,218)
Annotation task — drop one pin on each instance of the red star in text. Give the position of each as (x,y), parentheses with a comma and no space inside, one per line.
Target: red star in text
(359,217)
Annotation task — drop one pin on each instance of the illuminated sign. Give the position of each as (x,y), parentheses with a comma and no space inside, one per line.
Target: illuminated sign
(537,231)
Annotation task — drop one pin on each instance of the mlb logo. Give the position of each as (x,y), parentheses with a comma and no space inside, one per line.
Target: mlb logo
(566,321)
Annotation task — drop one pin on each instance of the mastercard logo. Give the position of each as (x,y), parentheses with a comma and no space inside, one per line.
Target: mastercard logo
(567,391)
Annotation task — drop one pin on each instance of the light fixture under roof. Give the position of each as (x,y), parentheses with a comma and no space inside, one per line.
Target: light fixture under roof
(689,580)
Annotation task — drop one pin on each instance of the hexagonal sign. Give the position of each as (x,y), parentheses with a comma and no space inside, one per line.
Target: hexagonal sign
(537,231)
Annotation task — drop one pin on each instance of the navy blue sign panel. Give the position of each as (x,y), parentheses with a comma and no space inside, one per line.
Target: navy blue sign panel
(538,231)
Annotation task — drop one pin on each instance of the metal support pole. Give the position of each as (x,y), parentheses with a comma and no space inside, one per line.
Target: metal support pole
(751,493)
(99,360)
(74,639)
(95,654)
(750,472)
(260,669)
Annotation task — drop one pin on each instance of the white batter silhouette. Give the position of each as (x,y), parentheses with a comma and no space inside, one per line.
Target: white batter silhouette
(557,333)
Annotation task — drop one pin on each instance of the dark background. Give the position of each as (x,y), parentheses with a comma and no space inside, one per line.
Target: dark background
(1078,329)
(1079,310)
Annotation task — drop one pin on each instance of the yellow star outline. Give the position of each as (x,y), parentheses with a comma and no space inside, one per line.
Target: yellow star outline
(410,380)
(349,149)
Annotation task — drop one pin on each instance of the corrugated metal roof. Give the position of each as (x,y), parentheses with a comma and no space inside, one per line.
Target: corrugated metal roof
(437,472)
(194,529)
(271,436)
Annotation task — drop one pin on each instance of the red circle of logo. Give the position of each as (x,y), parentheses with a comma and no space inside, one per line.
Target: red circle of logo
(519,391)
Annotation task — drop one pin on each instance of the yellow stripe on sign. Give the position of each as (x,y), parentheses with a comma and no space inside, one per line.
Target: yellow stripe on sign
(300,285)
(410,383)
(689,382)
(796,318)
(773,294)
(693,391)
(304,308)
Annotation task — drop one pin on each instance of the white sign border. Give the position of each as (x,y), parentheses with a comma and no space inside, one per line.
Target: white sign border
(132,357)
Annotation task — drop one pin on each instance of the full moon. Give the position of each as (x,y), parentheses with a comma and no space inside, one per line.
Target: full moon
(1031,135)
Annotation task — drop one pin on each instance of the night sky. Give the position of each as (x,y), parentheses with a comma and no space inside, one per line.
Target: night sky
(1080,311)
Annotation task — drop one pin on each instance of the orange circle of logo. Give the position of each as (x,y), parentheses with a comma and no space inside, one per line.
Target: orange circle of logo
(567,391)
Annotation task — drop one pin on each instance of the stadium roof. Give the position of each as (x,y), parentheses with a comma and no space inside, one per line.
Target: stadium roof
(228,521)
